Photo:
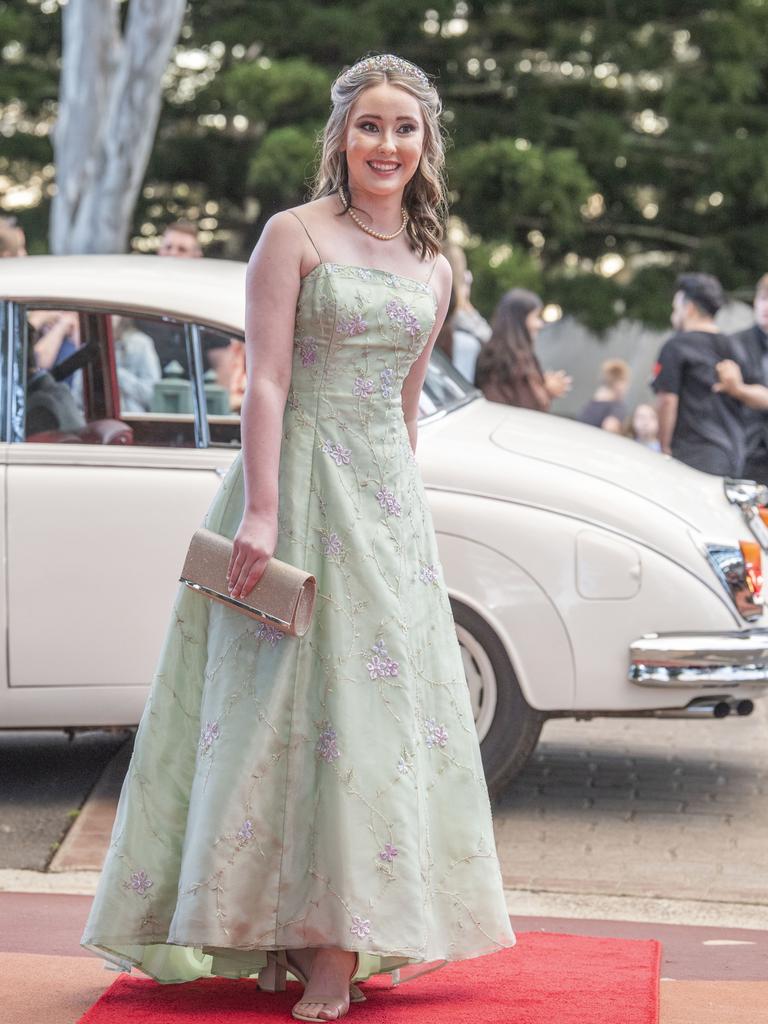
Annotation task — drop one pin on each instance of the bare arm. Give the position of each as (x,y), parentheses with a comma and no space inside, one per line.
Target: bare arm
(47,348)
(612,424)
(753,395)
(732,383)
(272,289)
(413,383)
(666,409)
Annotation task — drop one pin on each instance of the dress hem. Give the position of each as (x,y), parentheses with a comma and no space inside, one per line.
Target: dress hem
(398,960)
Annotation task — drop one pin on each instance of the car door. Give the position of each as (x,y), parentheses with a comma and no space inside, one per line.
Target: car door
(6,320)
(99,513)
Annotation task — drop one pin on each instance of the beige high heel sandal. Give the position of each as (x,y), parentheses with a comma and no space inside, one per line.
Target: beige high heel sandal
(355,996)
(272,977)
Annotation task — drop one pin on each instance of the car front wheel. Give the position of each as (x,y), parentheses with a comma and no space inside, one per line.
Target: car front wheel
(507,726)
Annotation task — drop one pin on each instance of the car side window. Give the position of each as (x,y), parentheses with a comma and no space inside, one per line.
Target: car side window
(154,381)
(444,387)
(223,384)
(54,393)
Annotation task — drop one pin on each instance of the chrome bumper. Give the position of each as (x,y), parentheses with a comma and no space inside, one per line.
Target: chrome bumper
(704,660)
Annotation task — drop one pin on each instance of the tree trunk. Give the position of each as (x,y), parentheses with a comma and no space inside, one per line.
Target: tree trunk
(109,104)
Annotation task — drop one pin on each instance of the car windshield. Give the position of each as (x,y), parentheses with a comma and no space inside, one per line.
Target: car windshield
(444,387)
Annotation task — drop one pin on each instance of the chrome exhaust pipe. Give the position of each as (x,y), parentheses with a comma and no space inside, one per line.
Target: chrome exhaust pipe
(701,709)
(741,707)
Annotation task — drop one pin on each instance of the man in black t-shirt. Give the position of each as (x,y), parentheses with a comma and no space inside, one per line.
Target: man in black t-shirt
(701,427)
(753,343)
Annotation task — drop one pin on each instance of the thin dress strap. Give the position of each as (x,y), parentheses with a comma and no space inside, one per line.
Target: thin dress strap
(432,269)
(298,218)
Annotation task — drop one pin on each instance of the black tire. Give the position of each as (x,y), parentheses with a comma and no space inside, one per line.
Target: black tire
(514,731)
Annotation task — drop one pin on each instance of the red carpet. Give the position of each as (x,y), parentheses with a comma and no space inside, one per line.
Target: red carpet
(545,979)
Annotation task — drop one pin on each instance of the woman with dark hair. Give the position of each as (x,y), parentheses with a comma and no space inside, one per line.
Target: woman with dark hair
(507,368)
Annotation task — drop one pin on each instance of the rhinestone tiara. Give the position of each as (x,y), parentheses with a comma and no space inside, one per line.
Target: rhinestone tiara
(385,62)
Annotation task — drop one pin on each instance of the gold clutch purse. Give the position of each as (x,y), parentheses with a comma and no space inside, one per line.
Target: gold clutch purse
(284,596)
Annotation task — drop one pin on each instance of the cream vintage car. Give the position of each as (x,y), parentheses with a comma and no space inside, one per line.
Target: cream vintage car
(588,575)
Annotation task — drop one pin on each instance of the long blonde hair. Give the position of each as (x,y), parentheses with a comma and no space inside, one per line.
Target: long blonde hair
(425,194)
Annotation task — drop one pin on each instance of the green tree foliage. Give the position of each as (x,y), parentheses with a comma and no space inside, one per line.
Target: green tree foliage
(595,149)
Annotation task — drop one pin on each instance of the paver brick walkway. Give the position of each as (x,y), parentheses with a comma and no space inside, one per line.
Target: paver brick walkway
(665,808)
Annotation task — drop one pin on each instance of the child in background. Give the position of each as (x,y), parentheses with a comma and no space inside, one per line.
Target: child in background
(643,427)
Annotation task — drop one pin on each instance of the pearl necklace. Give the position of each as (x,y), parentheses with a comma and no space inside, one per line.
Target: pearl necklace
(364,227)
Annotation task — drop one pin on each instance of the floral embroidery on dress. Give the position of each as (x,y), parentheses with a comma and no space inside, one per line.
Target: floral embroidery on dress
(405,764)
(139,882)
(436,735)
(352,326)
(340,455)
(332,545)
(402,314)
(308,351)
(293,402)
(388,853)
(428,574)
(363,387)
(388,501)
(387,377)
(326,747)
(210,733)
(246,831)
(271,634)
(361,926)
(381,665)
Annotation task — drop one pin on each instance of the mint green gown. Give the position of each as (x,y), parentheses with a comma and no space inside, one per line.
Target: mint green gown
(326,791)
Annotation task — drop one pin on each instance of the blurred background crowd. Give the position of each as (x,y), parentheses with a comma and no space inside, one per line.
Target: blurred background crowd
(711,387)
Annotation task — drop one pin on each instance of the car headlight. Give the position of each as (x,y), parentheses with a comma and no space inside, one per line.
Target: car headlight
(745,492)
(740,570)
(751,498)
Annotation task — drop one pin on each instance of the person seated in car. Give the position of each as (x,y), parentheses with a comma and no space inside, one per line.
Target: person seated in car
(226,357)
(137,364)
(56,336)
(50,405)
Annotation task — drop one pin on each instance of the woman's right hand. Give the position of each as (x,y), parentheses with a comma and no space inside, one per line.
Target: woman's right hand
(253,546)
(557,383)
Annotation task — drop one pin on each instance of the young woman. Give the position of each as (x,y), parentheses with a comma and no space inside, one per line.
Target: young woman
(508,369)
(318,806)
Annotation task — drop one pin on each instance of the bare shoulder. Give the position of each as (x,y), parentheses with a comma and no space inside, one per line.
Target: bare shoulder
(281,243)
(442,278)
(316,211)
(282,228)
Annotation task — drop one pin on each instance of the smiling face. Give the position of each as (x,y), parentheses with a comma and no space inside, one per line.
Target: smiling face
(384,140)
